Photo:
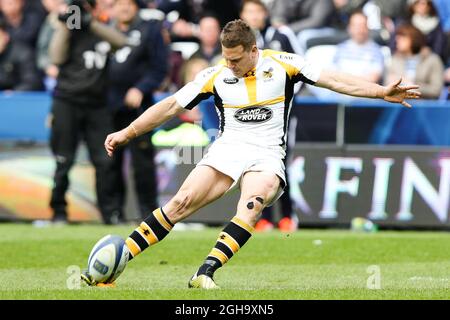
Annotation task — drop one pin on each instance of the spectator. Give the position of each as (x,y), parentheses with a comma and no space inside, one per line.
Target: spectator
(393,9)
(383,16)
(17,70)
(415,63)
(209,33)
(307,18)
(79,106)
(105,8)
(52,7)
(134,74)
(189,13)
(22,26)
(423,16)
(359,55)
(255,13)
(339,23)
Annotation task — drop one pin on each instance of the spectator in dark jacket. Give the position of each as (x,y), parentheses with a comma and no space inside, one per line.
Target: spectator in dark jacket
(23,26)
(17,69)
(134,74)
(79,111)
(209,34)
(186,26)
(255,13)
(307,18)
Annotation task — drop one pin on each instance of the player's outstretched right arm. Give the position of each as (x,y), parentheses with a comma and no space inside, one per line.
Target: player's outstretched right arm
(152,118)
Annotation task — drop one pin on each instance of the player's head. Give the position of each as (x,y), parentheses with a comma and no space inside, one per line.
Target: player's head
(239,47)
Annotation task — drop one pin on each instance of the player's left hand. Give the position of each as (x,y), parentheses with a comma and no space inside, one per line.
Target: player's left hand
(398,94)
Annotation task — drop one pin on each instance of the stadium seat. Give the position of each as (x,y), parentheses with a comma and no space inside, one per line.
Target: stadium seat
(187,49)
(322,54)
(386,55)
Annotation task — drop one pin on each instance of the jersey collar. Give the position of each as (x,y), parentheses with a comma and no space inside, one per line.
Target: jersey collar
(252,72)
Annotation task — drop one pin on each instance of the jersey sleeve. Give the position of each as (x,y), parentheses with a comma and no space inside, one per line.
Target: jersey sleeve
(201,88)
(297,68)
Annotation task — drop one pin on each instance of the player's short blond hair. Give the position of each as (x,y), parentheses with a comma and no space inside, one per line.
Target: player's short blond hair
(236,33)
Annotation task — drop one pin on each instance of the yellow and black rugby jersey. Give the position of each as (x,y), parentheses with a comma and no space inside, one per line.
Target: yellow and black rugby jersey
(255,108)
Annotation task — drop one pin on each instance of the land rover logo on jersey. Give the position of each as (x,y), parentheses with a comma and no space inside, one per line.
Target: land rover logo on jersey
(231,80)
(253,115)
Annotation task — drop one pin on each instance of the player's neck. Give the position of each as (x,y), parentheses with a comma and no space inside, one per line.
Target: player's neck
(254,64)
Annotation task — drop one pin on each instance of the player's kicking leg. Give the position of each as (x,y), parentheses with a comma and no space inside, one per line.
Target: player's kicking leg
(203,185)
(257,190)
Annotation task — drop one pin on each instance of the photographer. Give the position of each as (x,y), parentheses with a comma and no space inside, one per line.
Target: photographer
(80,47)
(134,74)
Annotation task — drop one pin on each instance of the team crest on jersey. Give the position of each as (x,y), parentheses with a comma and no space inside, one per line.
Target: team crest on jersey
(268,74)
(231,80)
(253,114)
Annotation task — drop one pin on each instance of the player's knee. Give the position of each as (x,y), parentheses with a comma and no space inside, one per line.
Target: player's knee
(270,186)
(180,204)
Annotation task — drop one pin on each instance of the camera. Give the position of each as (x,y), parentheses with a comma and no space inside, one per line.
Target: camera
(84,8)
(83,4)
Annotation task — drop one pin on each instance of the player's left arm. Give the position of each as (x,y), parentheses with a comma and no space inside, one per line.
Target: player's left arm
(359,87)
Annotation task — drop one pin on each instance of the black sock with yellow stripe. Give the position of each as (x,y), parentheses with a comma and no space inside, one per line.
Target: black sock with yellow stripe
(230,240)
(150,231)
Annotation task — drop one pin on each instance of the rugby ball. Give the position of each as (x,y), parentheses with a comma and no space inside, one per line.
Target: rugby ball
(108,259)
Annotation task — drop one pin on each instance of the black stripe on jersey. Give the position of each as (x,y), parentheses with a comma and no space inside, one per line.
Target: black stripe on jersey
(302,78)
(219,105)
(288,94)
(200,97)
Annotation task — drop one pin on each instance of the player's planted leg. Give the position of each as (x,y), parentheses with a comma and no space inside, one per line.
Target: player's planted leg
(257,190)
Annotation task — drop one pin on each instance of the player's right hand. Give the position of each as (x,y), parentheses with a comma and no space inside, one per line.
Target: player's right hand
(115,140)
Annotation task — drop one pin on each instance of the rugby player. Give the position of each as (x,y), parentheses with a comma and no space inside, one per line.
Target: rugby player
(253,93)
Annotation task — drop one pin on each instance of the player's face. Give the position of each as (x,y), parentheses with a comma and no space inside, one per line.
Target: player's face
(240,61)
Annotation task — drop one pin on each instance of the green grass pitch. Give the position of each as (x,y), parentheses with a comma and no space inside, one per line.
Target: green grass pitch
(34,264)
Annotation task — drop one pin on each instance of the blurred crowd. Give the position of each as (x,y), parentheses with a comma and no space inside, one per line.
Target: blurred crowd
(378,39)
(104,60)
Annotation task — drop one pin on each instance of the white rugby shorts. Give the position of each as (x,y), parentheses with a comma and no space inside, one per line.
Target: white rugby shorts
(236,158)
